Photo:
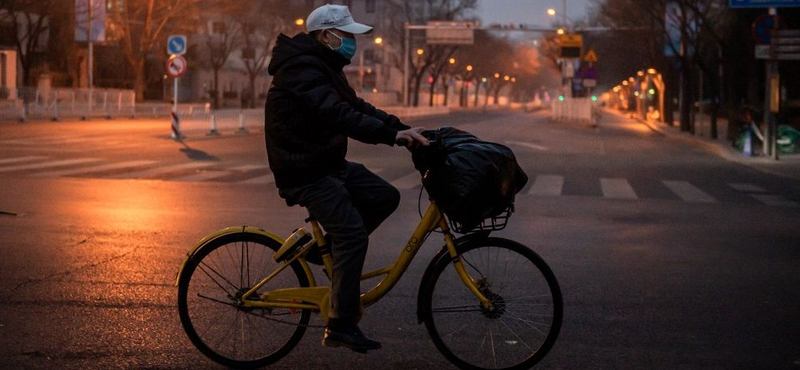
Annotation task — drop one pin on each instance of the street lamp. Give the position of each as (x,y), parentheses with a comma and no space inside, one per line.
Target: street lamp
(420,51)
(496,75)
(551,12)
(299,22)
(452,61)
(379,40)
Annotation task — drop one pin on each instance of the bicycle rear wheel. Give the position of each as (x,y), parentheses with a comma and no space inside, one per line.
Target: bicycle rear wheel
(526,299)
(209,289)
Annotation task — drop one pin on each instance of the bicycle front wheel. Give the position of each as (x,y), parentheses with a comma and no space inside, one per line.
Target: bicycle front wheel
(209,295)
(525,318)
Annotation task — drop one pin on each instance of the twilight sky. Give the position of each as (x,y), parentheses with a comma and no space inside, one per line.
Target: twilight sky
(533,12)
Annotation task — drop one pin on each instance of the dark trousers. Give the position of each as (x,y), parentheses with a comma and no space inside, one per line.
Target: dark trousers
(349,205)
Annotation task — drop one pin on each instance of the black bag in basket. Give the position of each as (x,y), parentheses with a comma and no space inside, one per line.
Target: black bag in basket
(470,179)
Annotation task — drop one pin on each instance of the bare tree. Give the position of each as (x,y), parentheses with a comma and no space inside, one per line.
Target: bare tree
(29,24)
(261,25)
(222,37)
(142,25)
(420,12)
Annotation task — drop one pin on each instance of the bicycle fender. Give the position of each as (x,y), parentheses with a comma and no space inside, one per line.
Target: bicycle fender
(223,232)
(441,257)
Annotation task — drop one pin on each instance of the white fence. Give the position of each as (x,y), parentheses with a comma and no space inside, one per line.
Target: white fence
(55,104)
(578,109)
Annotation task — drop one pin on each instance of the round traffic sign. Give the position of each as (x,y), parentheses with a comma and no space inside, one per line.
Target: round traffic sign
(763,28)
(176,66)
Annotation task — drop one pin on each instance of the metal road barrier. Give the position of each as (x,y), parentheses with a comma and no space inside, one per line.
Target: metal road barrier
(28,103)
(578,109)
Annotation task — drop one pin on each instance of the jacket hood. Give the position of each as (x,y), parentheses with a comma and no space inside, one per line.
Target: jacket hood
(302,44)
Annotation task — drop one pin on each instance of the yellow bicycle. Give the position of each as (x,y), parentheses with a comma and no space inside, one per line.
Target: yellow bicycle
(245,295)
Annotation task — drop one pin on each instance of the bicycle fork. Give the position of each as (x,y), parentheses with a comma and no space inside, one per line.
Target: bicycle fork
(471,284)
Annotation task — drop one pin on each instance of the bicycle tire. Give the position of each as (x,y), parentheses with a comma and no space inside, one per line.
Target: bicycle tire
(483,258)
(204,273)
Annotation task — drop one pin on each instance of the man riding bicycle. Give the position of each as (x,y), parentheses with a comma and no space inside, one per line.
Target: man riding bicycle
(310,112)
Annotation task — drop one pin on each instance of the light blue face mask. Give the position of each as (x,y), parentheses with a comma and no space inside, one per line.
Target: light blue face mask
(347,47)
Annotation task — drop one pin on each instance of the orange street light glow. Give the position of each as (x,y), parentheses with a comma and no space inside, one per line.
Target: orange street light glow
(651,71)
(452,61)
(299,22)
(469,68)
(420,51)
(560,31)
(551,12)
(506,78)
(496,75)
(379,40)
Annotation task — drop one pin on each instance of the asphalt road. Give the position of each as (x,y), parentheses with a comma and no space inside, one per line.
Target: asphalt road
(668,256)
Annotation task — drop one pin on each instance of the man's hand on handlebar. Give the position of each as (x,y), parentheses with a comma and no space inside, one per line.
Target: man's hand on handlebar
(411,138)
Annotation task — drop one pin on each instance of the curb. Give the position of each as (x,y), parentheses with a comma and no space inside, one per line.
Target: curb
(717,148)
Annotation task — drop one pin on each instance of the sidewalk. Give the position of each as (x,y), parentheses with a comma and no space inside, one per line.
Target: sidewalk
(787,165)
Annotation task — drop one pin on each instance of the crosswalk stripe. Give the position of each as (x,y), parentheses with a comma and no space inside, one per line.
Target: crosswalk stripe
(41,165)
(547,185)
(162,170)
(265,179)
(775,200)
(688,192)
(21,159)
(202,176)
(617,189)
(747,188)
(410,181)
(105,167)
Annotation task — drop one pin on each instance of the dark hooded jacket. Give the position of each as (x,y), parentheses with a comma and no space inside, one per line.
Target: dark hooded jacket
(311,111)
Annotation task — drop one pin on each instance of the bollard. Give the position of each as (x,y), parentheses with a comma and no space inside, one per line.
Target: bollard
(55,110)
(241,129)
(213,131)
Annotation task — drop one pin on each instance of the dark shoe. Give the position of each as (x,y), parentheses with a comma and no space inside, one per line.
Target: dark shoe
(350,337)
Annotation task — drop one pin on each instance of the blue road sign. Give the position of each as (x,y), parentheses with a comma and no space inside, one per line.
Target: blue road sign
(176,45)
(764,3)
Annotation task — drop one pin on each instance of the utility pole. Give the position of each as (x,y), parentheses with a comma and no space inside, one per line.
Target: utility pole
(90,62)
(771,100)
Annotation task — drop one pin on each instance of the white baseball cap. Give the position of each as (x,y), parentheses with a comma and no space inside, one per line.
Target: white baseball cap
(335,16)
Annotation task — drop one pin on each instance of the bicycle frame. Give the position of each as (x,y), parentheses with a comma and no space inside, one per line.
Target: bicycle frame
(317,297)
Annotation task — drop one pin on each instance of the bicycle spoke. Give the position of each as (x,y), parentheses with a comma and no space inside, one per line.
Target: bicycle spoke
(526,318)
(232,335)
(516,335)
(469,308)
(216,300)
(215,280)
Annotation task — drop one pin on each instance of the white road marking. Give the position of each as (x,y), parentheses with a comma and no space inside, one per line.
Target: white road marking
(775,200)
(748,188)
(527,145)
(688,192)
(105,167)
(162,170)
(21,159)
(41,165)
(617,189)
(265,179)
(547,185)
(410,181)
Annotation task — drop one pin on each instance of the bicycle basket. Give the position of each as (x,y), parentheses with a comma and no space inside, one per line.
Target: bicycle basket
(494,223)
